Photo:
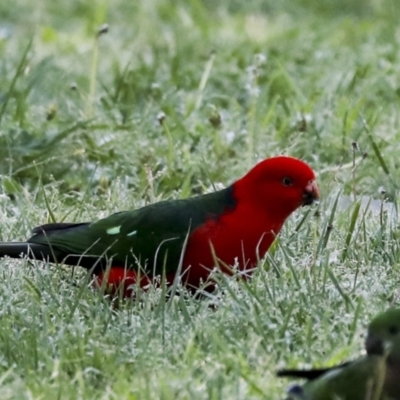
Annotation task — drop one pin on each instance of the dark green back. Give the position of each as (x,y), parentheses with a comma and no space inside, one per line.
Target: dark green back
(133,238)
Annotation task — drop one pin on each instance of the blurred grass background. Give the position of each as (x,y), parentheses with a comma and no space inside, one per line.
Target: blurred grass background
(177,96)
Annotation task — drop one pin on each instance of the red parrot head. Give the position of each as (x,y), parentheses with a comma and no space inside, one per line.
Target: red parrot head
(279,185)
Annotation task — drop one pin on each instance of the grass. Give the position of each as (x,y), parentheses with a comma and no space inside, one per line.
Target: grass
(175,98)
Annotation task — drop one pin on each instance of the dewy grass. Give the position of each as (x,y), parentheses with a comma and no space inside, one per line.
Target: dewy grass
(294,77)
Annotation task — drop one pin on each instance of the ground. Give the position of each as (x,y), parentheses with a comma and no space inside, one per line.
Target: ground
(167,100)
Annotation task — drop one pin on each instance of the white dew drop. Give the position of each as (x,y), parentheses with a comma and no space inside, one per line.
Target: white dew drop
(114,230)
(133,233)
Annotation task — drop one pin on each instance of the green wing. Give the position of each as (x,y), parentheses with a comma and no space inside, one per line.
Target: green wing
(359,380)
(148,237)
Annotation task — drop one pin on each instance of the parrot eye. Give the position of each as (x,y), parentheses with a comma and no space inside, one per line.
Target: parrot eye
(287,181)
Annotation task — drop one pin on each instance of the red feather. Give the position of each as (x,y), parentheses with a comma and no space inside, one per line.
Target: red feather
(265,197)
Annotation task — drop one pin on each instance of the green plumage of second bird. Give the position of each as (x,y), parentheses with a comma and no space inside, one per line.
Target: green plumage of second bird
(385,328)
(145,236)
(360,380)
(375,376)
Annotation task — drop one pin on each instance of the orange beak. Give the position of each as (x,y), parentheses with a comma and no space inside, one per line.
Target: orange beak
(311,193)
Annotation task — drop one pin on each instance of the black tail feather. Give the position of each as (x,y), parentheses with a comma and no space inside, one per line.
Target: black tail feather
(308,374)
(25,249)
(48,254)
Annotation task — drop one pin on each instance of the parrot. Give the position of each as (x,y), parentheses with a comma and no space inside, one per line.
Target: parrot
(184,239)
(371,376)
